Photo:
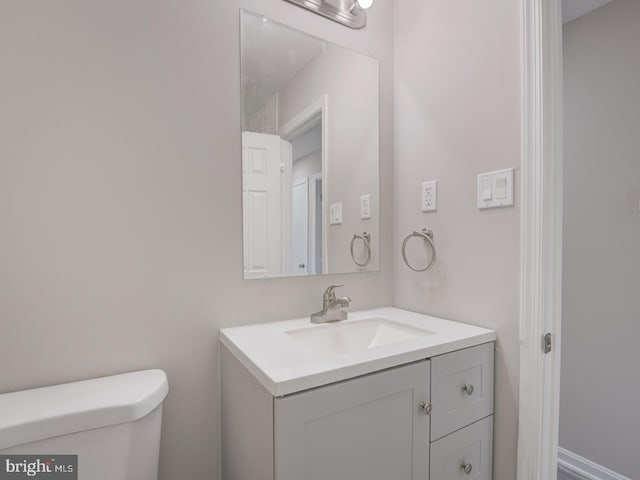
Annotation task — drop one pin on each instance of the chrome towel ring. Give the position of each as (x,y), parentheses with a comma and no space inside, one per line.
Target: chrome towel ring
(427,236)
(366,239)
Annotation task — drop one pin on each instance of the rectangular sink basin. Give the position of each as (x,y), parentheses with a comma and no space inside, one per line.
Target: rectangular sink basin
(357,336)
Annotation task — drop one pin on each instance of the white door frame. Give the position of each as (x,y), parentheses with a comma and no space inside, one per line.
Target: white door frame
(313,246)
(541,238)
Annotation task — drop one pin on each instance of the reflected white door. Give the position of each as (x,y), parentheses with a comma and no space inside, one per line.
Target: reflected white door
(261,191)
(300,227)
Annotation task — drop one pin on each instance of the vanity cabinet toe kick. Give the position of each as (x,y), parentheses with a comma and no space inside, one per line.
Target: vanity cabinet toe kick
(431,419)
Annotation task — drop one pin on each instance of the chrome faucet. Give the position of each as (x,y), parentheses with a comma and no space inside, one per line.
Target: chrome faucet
(331,307)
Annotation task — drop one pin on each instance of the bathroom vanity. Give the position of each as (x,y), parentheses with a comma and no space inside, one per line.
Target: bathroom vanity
(387,394)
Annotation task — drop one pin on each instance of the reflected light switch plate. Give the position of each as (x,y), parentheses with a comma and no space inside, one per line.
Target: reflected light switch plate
(365,207)
(335,213)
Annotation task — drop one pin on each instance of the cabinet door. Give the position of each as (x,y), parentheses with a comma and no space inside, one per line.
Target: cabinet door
(369,428)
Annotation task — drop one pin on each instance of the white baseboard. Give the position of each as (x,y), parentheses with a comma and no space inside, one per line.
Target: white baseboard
(575,467)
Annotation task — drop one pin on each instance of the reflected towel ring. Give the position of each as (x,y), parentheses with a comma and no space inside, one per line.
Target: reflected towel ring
(366,239)
(427,236)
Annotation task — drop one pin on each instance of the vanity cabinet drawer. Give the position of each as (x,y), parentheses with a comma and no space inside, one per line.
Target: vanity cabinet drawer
(465,454)
(462,389)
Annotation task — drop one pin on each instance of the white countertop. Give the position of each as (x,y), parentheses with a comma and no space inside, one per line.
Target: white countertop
(284,366)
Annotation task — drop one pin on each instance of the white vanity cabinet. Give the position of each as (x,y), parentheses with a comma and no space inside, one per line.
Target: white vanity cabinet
(427,420)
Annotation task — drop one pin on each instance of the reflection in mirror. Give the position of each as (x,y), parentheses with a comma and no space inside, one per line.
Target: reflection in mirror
(309,153)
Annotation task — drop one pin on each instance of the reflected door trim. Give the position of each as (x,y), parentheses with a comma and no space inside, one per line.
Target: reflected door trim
(317,109)
(313,245)
(299,264)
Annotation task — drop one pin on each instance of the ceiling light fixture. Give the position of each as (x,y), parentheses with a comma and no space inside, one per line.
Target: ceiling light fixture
(363,4)
(350,12)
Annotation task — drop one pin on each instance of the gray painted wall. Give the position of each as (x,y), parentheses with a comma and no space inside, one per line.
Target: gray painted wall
(306,166)
(120,199)
(457,104)
(601,305)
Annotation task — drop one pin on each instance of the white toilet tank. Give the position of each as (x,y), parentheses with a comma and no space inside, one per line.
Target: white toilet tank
(111,423)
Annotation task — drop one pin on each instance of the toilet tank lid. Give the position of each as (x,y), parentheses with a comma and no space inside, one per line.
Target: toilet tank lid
(31,415)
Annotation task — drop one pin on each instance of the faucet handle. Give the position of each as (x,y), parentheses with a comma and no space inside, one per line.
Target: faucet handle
(329,294)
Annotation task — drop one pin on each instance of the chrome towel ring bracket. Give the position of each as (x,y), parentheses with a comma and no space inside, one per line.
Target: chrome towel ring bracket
(366,239)
(427,236)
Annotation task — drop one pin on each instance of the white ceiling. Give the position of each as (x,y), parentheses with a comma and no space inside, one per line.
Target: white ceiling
(272,55)
(572,9)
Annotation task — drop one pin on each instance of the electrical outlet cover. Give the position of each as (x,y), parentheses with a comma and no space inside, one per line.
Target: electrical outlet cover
(429,196)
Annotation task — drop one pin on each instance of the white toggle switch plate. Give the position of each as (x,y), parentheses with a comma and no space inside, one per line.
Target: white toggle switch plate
(365,207)
(429,196)
(495,189)
(335,213)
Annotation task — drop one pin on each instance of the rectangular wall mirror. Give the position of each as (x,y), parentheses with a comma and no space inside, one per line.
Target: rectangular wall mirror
(310,153)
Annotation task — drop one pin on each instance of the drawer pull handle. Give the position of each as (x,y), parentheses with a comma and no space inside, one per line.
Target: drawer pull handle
(426,408)
(466,468)
(468,389)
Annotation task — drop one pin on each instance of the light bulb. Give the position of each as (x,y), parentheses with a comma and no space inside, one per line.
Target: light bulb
(364,4)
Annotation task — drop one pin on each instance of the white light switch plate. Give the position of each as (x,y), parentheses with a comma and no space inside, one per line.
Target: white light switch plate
(335,213)
(365,207)
(495,189)
(429,196)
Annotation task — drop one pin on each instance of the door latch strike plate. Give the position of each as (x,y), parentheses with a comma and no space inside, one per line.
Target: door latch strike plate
(546,343)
